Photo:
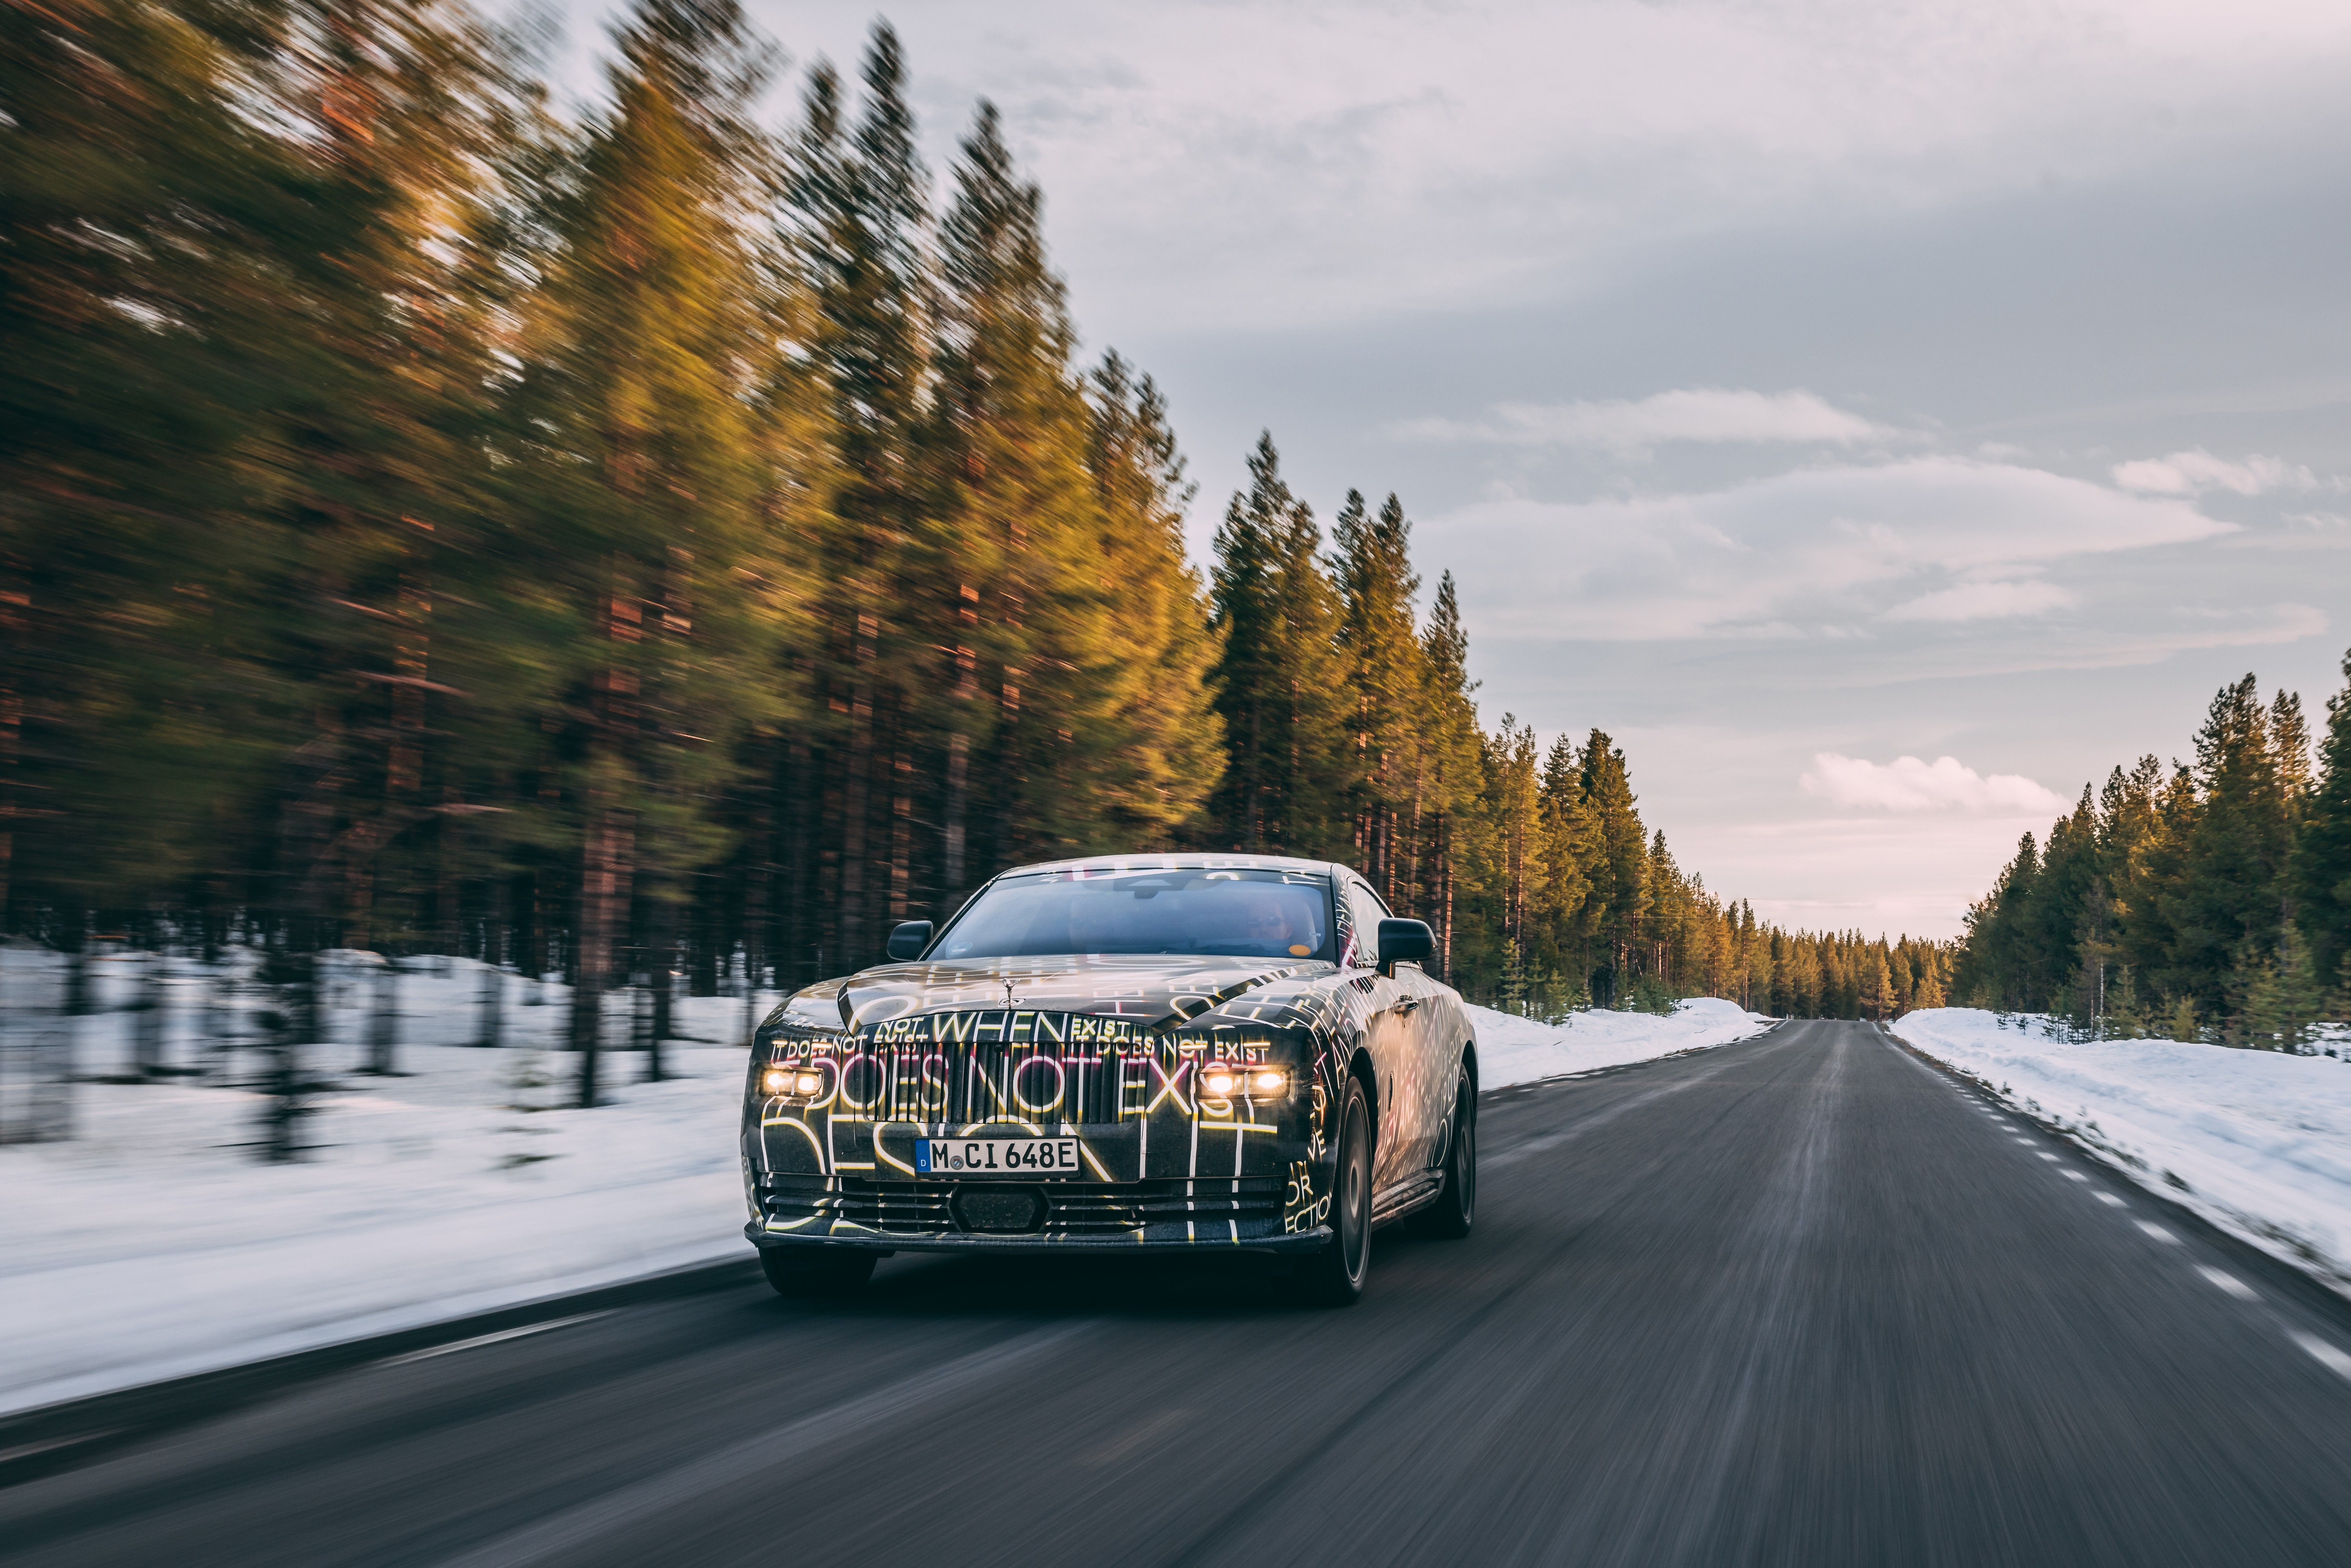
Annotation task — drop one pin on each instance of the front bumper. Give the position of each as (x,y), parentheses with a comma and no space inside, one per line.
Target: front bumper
(1312,1240)
(1256,1213)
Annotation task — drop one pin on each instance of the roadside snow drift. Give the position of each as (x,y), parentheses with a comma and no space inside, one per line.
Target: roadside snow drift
(1513,1049)
(153,1244)
(2257,1141)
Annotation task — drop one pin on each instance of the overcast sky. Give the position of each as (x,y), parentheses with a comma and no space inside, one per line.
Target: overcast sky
(1882,419)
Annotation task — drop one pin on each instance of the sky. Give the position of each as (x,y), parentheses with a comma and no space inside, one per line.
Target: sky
(1880,419)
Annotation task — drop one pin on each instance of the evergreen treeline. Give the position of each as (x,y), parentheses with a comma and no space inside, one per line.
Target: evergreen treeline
(430,525)
(2207,900)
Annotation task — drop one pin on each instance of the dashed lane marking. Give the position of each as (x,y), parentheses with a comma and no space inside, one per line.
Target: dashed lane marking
(2047,1156)
(2229,1283)
(2158,1231)
(2111,1201)
(478,1340)
(2076,1175)
(2325,1355)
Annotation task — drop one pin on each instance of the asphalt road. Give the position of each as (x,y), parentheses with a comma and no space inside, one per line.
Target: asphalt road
(1800,1300)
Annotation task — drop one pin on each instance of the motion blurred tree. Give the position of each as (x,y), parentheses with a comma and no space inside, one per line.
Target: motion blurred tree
(1169,749)
(649,352)
(429,524)
(139,347)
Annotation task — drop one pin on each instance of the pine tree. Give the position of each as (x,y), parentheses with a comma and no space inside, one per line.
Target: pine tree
(1570,848)
(1619,899)
(2323,845)
(1169,743)
(1380,653)
(1277,678)
(1878,993)
(2284,995)
(862,199)
(1449,739)
(651,469)
(2225,905)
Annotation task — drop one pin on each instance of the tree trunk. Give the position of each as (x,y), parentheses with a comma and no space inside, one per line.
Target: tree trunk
(605,867)
(489,1030)
(154,1014)
(384,1023)
(1445,879)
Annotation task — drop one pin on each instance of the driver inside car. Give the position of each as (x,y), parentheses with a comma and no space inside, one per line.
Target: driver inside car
(1269,924)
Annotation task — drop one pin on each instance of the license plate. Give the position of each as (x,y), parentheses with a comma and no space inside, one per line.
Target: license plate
(996,1156)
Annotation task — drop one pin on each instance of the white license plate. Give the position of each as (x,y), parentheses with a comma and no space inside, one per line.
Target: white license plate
(996,1156)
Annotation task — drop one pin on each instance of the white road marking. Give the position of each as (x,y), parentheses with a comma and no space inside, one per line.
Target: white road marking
(2158,1231)
(2325,1355)
(2229,1283)
(2076,1175)
(26,1450)
(2111,1200)
(491,1338)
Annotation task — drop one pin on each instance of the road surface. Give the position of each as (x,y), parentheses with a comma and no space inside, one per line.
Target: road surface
(1798,1301)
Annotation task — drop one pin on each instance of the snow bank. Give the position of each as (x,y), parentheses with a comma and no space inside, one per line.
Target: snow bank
(1513,1049)
(2257,1141)
(153,1244)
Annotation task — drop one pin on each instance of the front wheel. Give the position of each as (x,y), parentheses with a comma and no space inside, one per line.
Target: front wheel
(815,1271)
(1456,1208)
(1334,1277)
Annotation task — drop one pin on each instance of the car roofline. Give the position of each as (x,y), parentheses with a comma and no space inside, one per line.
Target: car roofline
(1174,862)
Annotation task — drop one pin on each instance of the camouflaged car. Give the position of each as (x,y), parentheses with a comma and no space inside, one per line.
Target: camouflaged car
(1138,1052)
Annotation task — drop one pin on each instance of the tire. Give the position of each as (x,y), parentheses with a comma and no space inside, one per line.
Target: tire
(1450,1218)
(801,1273)
(1334,1277)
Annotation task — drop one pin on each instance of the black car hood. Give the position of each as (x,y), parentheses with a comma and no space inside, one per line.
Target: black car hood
(1156,992)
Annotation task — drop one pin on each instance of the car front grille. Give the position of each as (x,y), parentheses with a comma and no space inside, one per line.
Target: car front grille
(1074,1211)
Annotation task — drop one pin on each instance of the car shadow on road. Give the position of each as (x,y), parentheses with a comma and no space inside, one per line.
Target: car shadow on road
(1160,1286)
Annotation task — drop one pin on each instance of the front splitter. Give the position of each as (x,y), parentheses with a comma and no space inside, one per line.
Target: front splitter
(758,1235)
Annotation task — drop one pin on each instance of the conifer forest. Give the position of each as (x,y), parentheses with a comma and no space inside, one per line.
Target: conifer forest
(2206,900)
(685,539)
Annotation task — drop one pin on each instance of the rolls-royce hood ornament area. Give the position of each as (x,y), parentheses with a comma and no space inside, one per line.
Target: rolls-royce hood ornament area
(1237,1052)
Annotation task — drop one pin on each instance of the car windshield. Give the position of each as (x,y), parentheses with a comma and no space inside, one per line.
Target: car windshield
(1245,914)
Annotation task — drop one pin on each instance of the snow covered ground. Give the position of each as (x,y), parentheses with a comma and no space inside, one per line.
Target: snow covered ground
(1519,1050)
(2257,1141)
(152,1244)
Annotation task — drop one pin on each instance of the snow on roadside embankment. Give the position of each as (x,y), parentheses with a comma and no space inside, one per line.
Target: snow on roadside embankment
(154,1245)
(1513,1049)
(2257,1141)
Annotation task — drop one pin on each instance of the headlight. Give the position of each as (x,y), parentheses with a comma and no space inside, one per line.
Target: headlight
(791,1080)
(1222,1082)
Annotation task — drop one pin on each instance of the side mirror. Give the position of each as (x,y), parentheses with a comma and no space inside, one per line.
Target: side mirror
(1405,941)
(908,940)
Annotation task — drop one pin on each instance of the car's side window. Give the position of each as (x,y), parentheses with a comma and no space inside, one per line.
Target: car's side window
(1365,912)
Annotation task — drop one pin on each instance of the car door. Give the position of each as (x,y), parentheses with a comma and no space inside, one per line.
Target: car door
(1393,1038)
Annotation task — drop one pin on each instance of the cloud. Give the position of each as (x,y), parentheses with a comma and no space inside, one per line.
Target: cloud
(1907,785)
(1230,167)
(2193,473)
(1711,414)
(1985,601)
(1815,553)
